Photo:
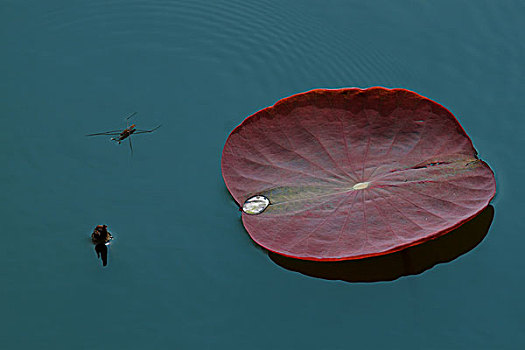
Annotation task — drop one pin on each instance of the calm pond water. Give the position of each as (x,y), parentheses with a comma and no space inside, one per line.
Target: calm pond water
(182,272)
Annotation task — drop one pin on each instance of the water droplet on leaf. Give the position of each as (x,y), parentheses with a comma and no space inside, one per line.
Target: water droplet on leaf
(255,205)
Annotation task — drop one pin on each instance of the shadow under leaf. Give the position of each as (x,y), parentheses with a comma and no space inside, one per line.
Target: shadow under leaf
(411,261)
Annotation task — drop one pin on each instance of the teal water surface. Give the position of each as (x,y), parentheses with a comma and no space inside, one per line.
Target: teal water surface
(182,272)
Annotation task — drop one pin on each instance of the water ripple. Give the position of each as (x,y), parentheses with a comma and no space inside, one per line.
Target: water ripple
(284,41)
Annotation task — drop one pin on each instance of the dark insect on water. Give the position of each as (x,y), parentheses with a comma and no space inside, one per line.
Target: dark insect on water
(101,238)
(121,135)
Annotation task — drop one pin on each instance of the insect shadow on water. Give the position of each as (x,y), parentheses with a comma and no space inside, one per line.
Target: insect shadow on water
(102,253)
(121,135)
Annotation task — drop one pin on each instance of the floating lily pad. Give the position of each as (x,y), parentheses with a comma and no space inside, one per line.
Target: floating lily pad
(354,173)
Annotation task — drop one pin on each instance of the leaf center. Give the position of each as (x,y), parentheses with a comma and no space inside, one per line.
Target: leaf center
(361,185)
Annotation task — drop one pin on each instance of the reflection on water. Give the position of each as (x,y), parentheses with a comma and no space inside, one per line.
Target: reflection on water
(102,253)
(411,261)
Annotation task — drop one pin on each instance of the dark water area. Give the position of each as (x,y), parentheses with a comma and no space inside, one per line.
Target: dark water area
(181,270)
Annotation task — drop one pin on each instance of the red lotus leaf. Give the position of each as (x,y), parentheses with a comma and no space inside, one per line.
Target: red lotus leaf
(354,173)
